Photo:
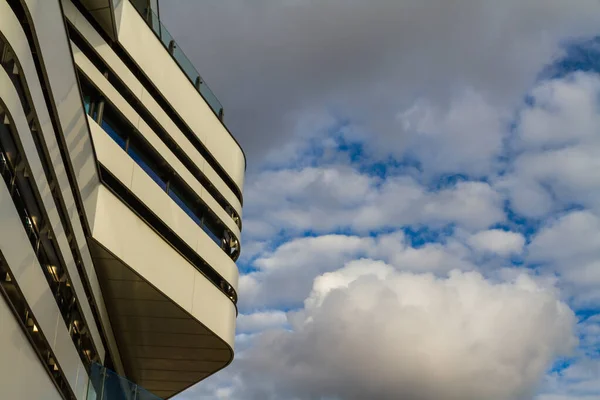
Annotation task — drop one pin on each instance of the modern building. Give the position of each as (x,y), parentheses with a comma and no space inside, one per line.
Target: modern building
(120,206)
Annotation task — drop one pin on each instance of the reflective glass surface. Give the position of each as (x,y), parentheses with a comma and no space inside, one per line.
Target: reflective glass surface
(108,385)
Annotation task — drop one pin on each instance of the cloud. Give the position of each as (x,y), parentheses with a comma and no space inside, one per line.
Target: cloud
(466,137)
(569,238)
(327,198)
(275,64)
(368,331)
(261,321)
(579,381)
(371,313)
(558,146)
(284,277)
(570,246)
(567,397)
(498,242)
(564,111)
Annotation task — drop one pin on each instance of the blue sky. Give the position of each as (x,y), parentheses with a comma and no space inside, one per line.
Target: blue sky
(422,203)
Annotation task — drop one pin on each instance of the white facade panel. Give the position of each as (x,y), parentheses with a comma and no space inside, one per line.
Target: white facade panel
(22,376)
(138,246)
(131,81)
(134,119)
(58,63)
(143,250)
(14,107)
(221,320)
(13,31)
(111,155)
(143,187)
(101,47)
(149,53)
(161,204)
(28,274)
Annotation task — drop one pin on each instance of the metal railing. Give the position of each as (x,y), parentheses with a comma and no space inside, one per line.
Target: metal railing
(105,384)
(179,56)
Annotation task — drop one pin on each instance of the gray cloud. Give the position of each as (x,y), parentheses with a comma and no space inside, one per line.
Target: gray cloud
(438,78)
(275,63)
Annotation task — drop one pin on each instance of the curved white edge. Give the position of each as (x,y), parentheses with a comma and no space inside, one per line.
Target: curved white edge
(111,156)
(13,104)
(28,275)
(148,52)
(130,239)
(134,119)
(105,52)
(80,132)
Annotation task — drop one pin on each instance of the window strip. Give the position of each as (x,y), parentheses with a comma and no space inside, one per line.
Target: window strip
(25,19)
(41,236)
(99,63)
(29,204)
(127,137)
(138,207)
(9,289)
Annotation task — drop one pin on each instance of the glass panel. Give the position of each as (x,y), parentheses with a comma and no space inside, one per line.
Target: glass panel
(154,6)
(4,168)
(91,395)
(162,32)
(185,202)
(115,127)
(143,394)
(148,165)
(140,5)
(108,385)
(211,99)
(87,103)
(179,56)
(117,387)
(185,63)
(96,382)
(89,93)
(213,230)
(212,235)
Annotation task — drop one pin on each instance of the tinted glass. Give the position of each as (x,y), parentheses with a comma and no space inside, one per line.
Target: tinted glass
(213,229)
(186,203)
(87,103)
(148,165)
(114,133)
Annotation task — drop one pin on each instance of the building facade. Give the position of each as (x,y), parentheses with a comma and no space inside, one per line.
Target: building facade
(120,206)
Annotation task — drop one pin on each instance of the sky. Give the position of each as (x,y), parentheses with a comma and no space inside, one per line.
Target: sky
(422,200)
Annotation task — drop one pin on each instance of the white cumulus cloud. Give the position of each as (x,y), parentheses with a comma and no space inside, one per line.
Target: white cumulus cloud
(368,331)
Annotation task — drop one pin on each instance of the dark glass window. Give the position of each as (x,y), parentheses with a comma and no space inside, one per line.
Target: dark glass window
(87,103)
(187,204)
(4,168)
(123,133)
(90,97)
(116,128)
(214,230)
(149,165)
